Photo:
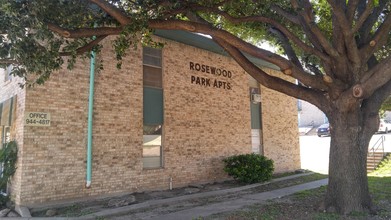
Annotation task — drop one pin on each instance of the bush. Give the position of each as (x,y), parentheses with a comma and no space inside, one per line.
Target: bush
(249,168)
(8,157)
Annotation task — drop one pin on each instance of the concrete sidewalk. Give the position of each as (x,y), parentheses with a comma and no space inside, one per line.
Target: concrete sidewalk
(239,203)
(205,210)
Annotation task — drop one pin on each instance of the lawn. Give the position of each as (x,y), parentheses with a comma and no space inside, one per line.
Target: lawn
(305,204)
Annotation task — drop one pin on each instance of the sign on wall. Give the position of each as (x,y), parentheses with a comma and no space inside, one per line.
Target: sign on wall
(211,71)
(37,119)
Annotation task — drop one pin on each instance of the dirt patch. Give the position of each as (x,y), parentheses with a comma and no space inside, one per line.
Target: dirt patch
(92,206)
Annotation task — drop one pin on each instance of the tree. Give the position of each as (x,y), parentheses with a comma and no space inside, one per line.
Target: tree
(337,50)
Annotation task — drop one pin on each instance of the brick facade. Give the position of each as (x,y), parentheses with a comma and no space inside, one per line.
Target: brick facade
(202,125)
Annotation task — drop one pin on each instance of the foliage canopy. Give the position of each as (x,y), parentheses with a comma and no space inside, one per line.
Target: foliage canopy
(339,51)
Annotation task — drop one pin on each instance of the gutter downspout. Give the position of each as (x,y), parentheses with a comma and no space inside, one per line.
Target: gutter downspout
(90,117)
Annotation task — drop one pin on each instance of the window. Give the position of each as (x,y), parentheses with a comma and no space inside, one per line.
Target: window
(256,116)
(7,109)
(153,108)
(152,146)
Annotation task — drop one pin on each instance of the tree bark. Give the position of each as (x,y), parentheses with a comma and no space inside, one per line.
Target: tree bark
(348,183)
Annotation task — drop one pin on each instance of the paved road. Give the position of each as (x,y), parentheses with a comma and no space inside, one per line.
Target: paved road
(314,151)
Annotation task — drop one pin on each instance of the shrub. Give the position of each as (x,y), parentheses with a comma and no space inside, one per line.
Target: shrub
(8,157)
(249,168)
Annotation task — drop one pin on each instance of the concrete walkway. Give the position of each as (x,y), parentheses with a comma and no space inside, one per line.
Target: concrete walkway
(210,209)
(239,203)
(202,211)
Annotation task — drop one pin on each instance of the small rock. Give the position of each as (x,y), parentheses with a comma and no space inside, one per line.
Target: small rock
(301,171)
(199,186)
(12,214)
(51,213)
(4,212)
(121,202)
(191,190)
(214,188)
(116,203)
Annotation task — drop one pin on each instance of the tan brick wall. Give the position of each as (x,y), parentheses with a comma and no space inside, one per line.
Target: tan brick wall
(202,125)
(280,131)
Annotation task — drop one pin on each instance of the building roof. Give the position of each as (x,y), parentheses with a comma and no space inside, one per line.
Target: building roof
(206,43)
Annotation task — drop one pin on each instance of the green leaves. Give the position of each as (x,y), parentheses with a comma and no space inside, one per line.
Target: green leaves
(386,106)
(26,39)
(8,157)
(249,168)
(37,50)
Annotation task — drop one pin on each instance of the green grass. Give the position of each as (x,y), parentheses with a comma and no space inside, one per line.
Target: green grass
(384,169)
(326,216)
(279,175)
(379,183)
(270,211)
(307,193)
(313,177)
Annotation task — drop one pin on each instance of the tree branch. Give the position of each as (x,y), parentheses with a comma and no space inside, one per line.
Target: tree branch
(372,105)
(8,61)
(352,6)
(380,38)
(350,42)
(86,48)
(314,69)
(282,28)
(380,96)
(366,27)
(307,20)
(376,77)
(240,44)
(84,32)
(287,15)
(363,16)
(289,51)
(272,82)
(284,41)
(298,71)
(205,29)
(113,11)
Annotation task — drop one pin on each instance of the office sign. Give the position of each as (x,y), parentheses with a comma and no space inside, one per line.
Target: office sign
(41,119)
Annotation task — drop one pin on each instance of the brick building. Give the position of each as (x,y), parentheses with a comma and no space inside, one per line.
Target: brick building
(168,114)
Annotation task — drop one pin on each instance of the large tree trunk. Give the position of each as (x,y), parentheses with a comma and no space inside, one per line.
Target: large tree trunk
(348,183)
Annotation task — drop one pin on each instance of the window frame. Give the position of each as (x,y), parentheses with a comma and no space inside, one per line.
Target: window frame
(161,150)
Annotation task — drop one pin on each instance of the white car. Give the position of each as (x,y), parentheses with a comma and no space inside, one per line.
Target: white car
(384,126)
